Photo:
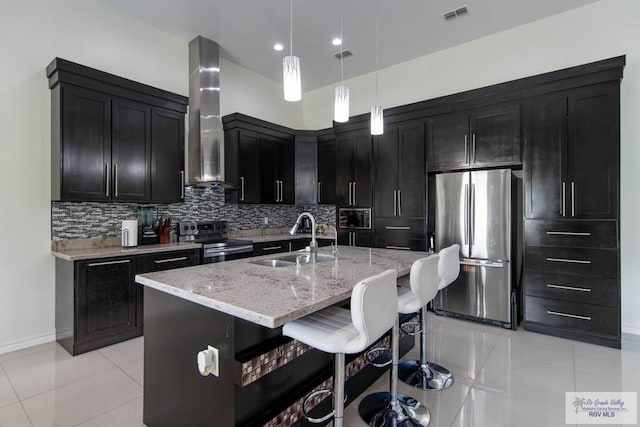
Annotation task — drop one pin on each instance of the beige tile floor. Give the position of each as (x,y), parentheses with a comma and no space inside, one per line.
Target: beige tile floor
(503,378)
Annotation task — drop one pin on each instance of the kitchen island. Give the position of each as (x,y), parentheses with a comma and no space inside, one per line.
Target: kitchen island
(239,307)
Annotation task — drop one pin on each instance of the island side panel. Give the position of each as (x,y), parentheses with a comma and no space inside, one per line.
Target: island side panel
(175,393)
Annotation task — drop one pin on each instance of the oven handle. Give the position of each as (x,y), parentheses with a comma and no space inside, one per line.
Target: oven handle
(228,251)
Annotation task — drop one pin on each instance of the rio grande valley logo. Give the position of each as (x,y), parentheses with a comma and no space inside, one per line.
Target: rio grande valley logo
(601,408)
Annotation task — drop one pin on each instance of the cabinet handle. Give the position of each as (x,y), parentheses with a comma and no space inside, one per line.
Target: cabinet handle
(350,194)
(568,233)
(466,148)
(319,192)
(573,316)
(276,191)
(242,188)
(122,261)
(182,184)
(573,198)
(354,194)
(473,148)
(108,178)
(162,261)
(281,191)
(570,261)
(402,248)
(115,180)
(271,248)
(395,202)
(397,227)
(568,288)
(562,208)
(399,203)
(352,238)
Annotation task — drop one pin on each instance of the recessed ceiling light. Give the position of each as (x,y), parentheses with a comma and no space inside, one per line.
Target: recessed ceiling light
(278,47)
(337,41)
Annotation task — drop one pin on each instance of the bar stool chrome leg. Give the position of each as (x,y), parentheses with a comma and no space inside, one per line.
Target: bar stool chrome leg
(391,408)
(422,373)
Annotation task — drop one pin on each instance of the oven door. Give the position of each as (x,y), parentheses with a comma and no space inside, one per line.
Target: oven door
(211,255)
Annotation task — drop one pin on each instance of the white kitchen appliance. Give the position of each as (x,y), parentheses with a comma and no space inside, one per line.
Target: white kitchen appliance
(129,233)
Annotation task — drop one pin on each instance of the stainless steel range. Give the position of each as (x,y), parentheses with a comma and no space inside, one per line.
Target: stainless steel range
(216,247)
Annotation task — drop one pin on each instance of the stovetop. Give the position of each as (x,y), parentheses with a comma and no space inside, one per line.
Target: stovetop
(209,233)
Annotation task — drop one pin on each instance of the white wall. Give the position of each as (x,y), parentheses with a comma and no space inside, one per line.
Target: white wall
(601,30)
(32,33)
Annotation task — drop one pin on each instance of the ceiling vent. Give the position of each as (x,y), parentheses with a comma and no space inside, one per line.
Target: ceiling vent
(343,54)
(456,13)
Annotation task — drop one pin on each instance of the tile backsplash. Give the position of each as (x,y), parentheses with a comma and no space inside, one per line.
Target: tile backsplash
(78,220)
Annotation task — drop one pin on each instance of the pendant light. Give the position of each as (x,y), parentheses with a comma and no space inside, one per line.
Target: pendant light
(291,68)
(377,120)
(341,104)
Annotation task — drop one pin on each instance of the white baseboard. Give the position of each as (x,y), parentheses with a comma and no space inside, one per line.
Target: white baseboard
(27,342)
(630,330)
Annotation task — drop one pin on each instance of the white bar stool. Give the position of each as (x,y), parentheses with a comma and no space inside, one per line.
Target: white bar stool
(422,373)
(339,331)
(391,408)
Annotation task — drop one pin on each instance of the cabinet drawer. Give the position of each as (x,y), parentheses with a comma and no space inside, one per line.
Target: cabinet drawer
(567,287)
(266,248)
(571,233)
(407,228)
(564,314)
(592,262)
(167,261)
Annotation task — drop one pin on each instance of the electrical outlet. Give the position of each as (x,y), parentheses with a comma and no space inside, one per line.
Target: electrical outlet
(209,362)
(266,220)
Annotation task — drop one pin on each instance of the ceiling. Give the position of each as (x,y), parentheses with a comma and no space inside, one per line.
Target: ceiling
(246,30)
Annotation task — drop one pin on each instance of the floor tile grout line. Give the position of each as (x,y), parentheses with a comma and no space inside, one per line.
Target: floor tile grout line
(2,360)
(107,411)
(10,383)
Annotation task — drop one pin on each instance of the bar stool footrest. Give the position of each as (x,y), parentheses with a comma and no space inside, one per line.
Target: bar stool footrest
(323,392)
(412,327)
(380,357)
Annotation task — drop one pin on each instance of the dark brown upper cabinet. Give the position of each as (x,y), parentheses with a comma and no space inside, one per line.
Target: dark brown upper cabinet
(354,168)
(400,175)
(114,139)
(487,136)
(259,161)
(571,166)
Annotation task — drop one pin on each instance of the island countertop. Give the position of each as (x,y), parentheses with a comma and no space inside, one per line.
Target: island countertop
(270,296)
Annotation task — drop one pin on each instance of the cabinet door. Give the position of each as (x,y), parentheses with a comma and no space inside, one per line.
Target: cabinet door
(545,137)
(131,150)
(249,164)
(412,176)
(386,173)
(167,156)
(448,141)
(362,189)
(344,169)
(285,172)
(86,144)
(495,135)
(363,238)
(106,298)
(268,186)
(327,171)
(593,152)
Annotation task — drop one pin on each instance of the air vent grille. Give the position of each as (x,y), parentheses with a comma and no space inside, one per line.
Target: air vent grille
(456,13)
(343,54)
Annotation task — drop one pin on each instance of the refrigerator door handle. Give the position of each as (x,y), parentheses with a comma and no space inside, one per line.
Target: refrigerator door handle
(395,202)
(473,215)
(482,263)
(466,214)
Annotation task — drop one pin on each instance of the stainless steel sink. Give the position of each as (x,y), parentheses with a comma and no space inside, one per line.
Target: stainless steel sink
(305,258)
(291,259)
(273,262)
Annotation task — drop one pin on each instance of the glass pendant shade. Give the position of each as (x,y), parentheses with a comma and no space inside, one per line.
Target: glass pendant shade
(291,78)
(377,121)
(341,109)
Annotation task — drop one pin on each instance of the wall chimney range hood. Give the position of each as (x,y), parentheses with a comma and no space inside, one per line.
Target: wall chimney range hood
(206,135)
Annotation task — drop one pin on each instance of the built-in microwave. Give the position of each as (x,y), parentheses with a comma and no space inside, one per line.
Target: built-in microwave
(354,218)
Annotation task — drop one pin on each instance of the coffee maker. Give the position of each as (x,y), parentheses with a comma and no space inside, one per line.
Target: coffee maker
(147,234)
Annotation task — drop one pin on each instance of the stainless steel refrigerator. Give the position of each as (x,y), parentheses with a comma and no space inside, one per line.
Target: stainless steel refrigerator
(474,209)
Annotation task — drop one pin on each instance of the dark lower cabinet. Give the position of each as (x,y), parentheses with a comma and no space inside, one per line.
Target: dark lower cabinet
(272,247)
(98,302)
(362,238)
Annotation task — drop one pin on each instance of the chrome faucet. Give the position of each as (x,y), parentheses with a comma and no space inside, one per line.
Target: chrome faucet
(334,250)
(313,246)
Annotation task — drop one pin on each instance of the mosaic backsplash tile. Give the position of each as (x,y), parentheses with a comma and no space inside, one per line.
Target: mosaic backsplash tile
(80,220)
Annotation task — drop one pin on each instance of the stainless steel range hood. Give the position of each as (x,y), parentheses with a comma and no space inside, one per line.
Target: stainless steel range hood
(206,136)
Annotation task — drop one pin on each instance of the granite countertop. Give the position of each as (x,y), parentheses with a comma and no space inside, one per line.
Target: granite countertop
(80,254)
(271,296)
(83,249)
